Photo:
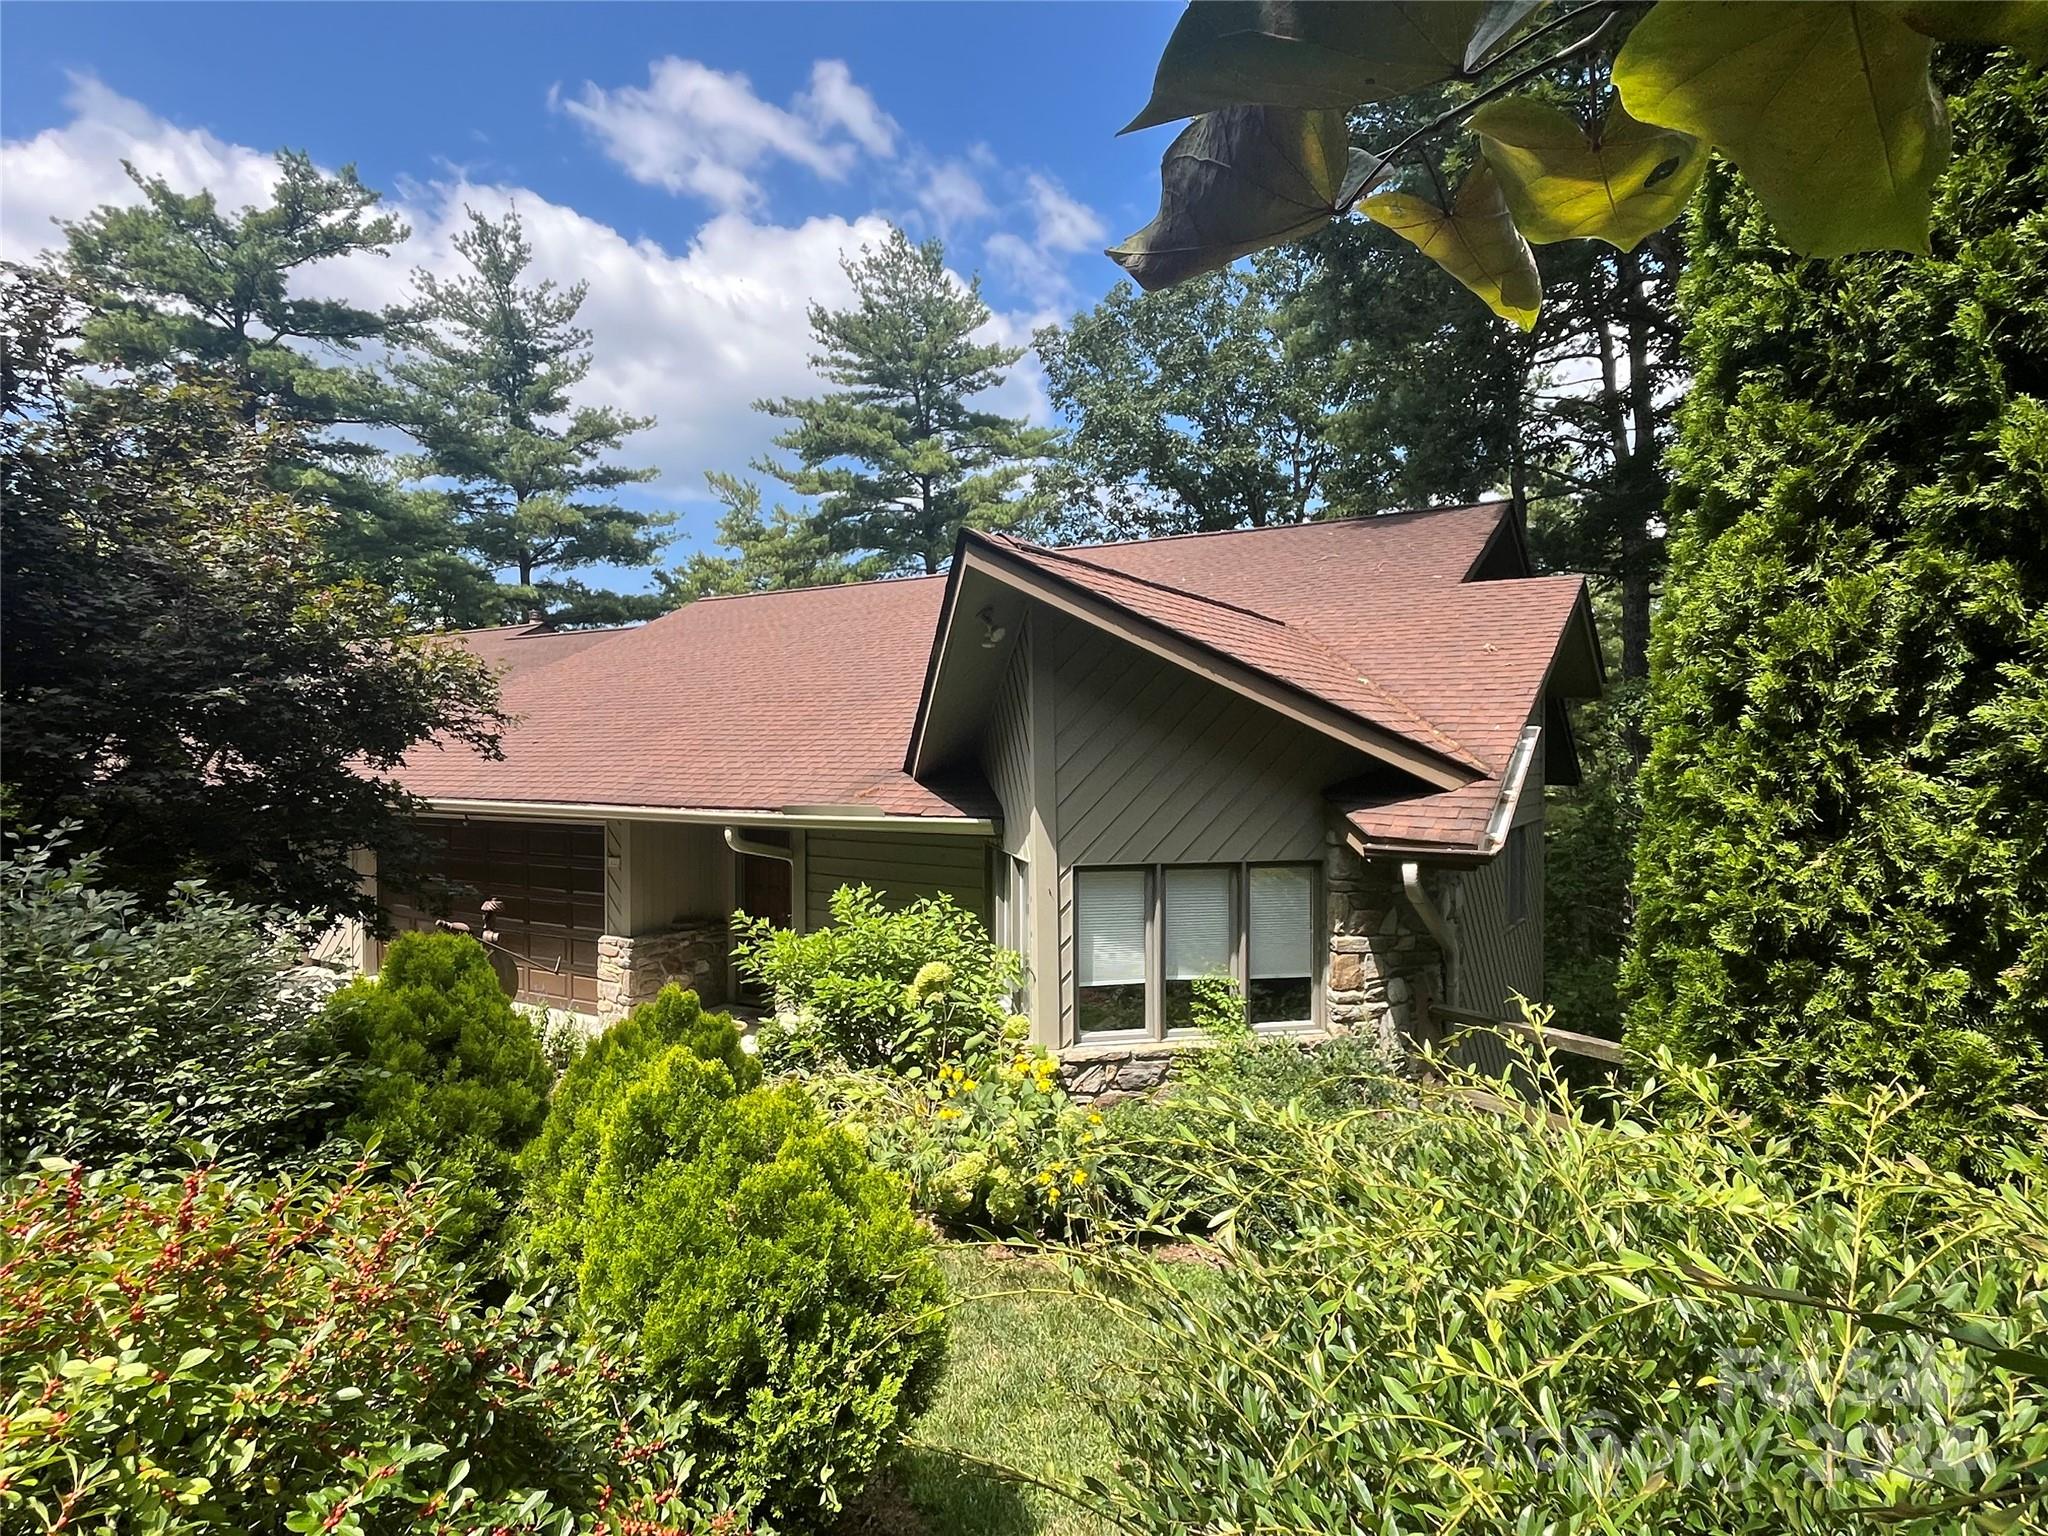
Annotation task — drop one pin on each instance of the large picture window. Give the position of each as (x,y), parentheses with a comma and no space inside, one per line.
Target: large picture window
(1144,937)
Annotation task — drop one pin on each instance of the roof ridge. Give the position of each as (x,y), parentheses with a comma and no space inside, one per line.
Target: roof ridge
(1074,558)
(1416,724)
(1311,522)
(816,586)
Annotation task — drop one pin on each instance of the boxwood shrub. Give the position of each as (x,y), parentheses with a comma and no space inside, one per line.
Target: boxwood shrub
(454,1075)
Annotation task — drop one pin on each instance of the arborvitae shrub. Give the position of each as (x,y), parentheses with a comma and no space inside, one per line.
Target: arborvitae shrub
(1843,870)
(454,1074)
(775,1276)
(556,1167)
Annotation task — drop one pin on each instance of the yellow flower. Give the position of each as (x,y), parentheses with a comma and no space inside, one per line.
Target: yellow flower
(1044,1086)
(970,1084)
(949,1114)
(1095,1119)
(1080,1177)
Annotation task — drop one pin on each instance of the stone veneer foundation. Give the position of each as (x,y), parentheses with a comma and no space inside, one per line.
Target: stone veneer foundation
(633,969)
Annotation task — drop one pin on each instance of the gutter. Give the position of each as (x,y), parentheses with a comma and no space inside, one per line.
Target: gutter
(824,818)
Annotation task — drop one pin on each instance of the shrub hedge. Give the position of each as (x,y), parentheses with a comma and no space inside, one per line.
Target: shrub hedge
(452,1076)
(220,1355)
(1841,879)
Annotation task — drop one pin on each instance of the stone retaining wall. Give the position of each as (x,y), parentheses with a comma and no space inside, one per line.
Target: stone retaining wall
(633,969)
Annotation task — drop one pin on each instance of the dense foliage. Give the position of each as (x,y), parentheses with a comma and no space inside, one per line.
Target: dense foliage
(176,677)
(556,1168)
(1841,879)
(992,1143)
(772,1273)
(220,1355)
(1508,1324)
(878,986)
(129,1031)
(450,1073)
(897,453)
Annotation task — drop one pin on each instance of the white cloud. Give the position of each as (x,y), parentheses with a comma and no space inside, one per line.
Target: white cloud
(65,173)
(1061,226)
(952,195)
(699,130)
(692,336)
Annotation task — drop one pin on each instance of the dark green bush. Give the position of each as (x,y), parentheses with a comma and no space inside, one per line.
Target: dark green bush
(125,1031)
(224,1356)
(914,986)
(774,1275)
(556,1167)
(1842,878)
(1507,1324)
(453,1074)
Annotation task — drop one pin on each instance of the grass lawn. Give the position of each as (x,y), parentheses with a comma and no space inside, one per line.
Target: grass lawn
(1016,1391)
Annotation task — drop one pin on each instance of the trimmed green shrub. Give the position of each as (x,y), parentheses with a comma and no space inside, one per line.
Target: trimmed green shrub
(1842,878)
(128,1031)
(994,1145)
(1510,1324)
(453,1076)
(221,1355)
(556,1167)
(774,1275)
(919,985)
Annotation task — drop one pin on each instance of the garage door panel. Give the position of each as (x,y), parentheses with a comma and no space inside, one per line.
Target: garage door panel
(548,881)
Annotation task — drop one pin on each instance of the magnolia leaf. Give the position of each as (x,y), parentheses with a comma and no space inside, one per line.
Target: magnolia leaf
(1563,181)
(2022,24)
(1502,20)
(1310,53)
(1826,109)
(1476,242)
(1238,181)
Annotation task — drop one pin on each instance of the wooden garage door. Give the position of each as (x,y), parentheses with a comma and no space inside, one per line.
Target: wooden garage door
(548,878)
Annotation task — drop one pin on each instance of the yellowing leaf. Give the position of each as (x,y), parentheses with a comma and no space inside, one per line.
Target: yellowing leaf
(1315,53)
(2022,24)
(1826,108)
(1617,183)
(1476,242)
(1238,181)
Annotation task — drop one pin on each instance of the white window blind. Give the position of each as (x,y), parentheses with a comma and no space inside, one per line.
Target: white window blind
(1196,913)
(1109,927)
(1280,922)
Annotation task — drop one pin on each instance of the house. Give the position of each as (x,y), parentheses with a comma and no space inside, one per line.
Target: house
(1309,757)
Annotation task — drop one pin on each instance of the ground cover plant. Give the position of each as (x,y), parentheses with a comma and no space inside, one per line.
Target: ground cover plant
(1511,1323)
(450,1074)
(223,1354)
(131,1030)
(772,1274)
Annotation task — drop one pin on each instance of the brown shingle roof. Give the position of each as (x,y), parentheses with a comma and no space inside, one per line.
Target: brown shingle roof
(808,697)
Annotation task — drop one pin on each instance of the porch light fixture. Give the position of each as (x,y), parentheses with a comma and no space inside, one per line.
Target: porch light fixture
(991,632)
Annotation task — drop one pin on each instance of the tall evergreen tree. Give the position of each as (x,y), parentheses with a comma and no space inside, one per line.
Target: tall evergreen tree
(488,379)
(898,456)
(175,285)
(1843,871)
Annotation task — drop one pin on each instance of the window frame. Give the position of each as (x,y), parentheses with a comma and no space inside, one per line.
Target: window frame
(1155,1030)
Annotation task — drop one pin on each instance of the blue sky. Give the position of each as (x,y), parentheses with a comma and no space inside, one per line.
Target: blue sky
(700,166)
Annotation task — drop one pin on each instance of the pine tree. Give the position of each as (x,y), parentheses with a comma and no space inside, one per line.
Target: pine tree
(488,378)
(175,286)
(772,552)
(1842,877)
(897,455)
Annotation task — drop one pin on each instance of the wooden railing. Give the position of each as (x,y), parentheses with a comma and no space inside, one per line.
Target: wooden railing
(1567,1042)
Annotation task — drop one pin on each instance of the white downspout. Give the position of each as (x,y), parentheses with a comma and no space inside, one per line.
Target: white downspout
(747,845)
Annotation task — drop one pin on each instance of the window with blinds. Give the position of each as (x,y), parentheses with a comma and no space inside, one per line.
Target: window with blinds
(1280,953)
(1250,927)
(1198,926)
(1112,917)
